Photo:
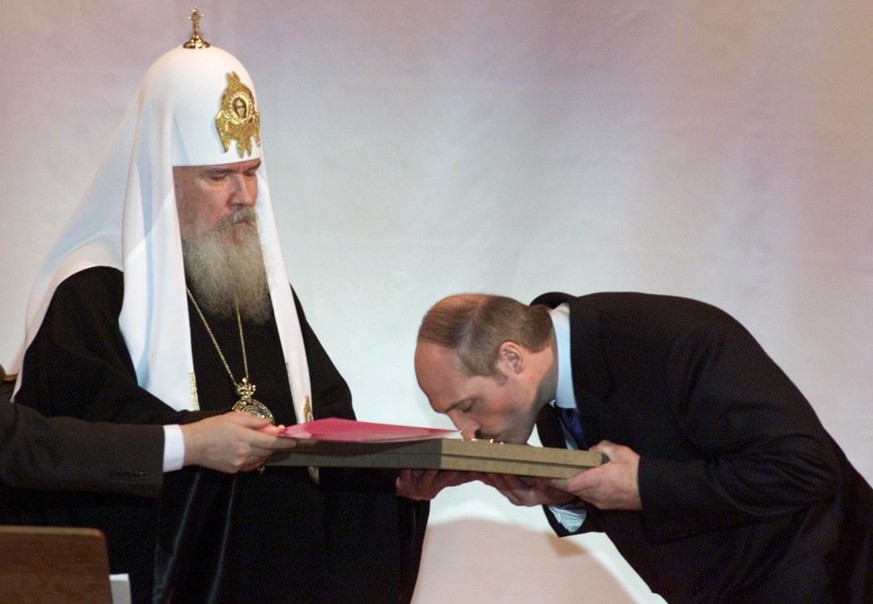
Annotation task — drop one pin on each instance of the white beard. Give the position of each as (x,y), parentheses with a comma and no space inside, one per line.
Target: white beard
(225,276)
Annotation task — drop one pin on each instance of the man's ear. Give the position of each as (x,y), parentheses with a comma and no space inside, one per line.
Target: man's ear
(511,355)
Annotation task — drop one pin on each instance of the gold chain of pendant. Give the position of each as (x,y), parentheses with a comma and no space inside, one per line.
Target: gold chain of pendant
(242,340)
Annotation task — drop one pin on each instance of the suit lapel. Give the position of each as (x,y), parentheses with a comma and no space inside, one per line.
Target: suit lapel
(591,381)
(549,428)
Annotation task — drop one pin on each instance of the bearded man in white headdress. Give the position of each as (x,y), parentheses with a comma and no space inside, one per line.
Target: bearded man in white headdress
(166,298)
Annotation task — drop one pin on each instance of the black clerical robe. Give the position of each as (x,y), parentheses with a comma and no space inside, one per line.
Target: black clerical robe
(275,536)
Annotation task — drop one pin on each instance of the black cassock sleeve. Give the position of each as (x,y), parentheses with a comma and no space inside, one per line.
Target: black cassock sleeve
(78,365)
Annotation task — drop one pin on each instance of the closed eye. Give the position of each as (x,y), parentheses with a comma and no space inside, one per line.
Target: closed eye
(217,175)
(467,405)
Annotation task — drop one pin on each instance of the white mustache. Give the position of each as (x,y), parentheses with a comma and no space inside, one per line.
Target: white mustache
(246,215)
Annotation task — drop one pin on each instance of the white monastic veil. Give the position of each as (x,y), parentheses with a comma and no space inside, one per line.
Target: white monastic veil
(127,220)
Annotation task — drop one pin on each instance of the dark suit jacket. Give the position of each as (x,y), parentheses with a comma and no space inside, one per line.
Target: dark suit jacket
(745,496)
(70,454)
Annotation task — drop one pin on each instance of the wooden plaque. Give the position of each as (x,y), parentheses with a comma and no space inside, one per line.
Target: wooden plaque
(441,454)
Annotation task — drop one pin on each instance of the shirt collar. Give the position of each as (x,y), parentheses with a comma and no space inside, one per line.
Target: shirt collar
(561,322)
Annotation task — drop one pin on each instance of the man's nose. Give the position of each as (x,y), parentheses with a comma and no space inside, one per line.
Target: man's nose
(242,193)
(466,425)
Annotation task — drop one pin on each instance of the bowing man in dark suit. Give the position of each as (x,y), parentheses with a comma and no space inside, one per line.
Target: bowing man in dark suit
(721,486)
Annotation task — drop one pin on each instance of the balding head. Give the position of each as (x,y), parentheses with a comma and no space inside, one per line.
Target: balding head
(475,325)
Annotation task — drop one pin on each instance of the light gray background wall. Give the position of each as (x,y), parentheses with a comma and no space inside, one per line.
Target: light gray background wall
(716,150)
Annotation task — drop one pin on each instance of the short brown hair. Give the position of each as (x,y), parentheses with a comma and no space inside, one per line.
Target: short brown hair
(475,325)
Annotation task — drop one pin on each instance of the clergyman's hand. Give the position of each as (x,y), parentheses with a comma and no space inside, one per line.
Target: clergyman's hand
(232,442)
(425,484)
(526,491)
(612,486)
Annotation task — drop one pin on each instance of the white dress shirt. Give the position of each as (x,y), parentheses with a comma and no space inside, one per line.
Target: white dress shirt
(572,515)
(174,448)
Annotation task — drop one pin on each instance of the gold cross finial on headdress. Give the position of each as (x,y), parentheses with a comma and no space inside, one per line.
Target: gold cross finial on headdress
(195,41)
